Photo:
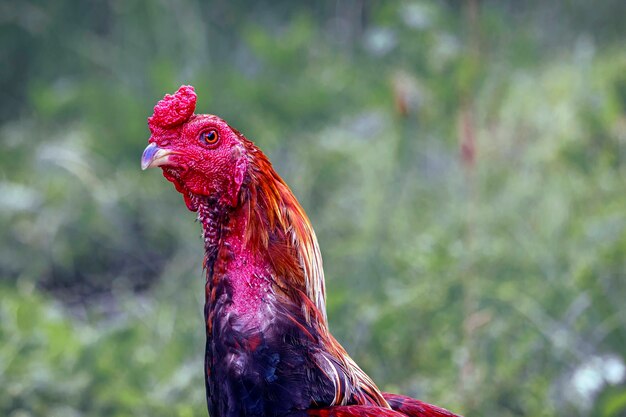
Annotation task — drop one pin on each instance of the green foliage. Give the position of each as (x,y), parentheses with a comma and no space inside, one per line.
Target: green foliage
(494,288)
(144,364)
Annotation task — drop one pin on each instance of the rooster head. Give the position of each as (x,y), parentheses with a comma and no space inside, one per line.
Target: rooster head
(199,153)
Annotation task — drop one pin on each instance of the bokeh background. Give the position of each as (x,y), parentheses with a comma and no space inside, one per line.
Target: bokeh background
(463,163)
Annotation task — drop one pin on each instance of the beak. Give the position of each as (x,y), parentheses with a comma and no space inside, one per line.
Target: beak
(153,156)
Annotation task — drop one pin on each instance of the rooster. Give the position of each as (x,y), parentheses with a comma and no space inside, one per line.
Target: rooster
(268,348)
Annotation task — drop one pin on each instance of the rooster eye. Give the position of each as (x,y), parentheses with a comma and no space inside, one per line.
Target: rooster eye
(208,137)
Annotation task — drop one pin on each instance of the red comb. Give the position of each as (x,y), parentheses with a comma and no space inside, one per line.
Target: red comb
(173,109)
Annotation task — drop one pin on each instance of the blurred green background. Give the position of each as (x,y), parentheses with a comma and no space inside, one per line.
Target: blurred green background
(463,164)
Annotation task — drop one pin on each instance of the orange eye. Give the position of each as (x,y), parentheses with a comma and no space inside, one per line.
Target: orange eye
(209,137)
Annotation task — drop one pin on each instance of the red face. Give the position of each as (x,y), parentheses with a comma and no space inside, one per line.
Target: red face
(202,157)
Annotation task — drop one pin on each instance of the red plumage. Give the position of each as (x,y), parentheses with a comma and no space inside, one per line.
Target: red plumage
(269,351)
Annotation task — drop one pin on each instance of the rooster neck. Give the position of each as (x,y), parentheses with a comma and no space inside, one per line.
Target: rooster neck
(233,263)
(213,216)
(244,270)
(278,226)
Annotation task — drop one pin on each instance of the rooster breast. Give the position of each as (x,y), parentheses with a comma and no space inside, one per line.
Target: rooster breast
(266,366)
